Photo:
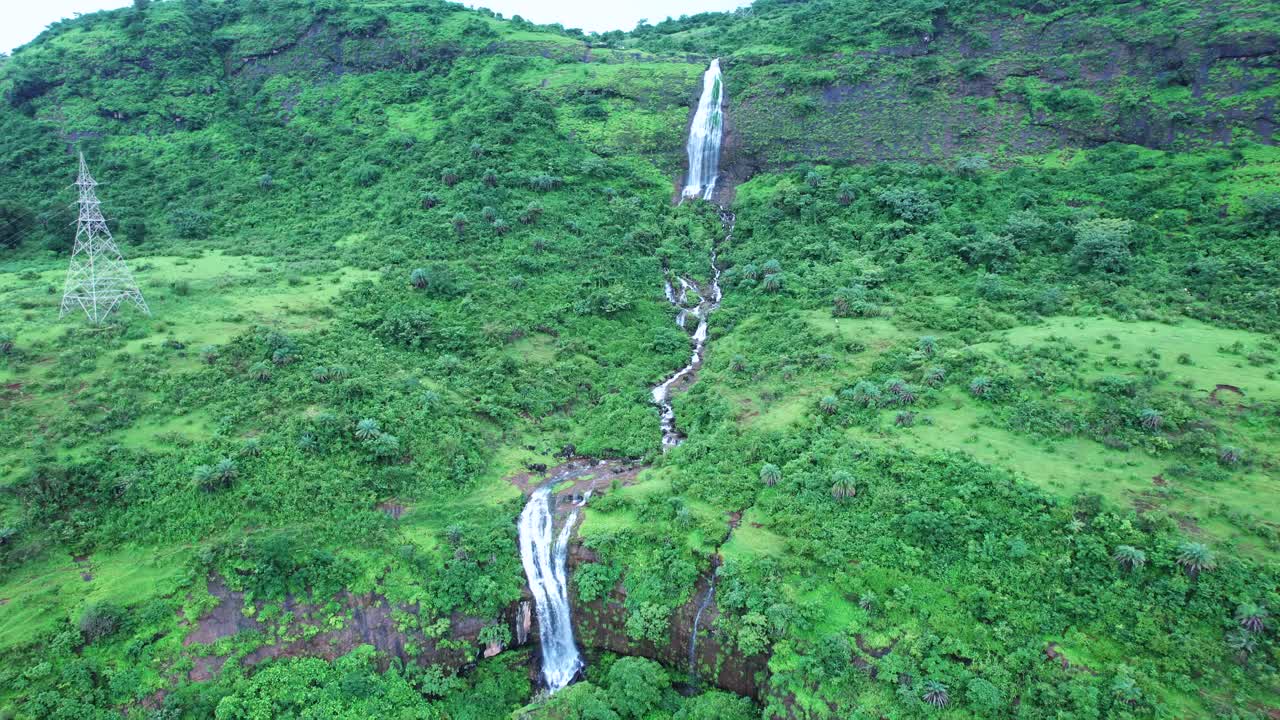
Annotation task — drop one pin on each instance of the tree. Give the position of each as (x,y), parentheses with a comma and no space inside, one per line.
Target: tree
(829,405)
(843,487)
(1195,557)
(770,474)
(367,429)
(935,693)
(637,686)
(1102,244)
(15,222)
(1129,557)
(772,282)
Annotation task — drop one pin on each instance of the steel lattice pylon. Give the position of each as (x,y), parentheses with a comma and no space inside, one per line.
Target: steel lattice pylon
(97,279)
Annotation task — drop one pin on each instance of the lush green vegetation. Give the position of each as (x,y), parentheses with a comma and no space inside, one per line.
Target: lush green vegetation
(986,431)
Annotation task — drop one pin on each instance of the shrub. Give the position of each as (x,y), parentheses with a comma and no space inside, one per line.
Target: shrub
(366,174)
(913,205)
(100,620)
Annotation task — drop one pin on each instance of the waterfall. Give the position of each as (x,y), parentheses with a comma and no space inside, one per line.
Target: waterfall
(543,552)
(697,618)
(704,137)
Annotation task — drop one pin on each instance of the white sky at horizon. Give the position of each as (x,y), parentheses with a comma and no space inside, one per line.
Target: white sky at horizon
(22,20)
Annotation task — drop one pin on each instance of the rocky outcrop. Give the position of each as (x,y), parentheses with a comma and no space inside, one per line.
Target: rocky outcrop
(368,619)
(600,626)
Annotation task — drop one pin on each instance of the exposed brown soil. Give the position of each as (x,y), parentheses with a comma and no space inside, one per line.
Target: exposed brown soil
(393,510)
(586,474)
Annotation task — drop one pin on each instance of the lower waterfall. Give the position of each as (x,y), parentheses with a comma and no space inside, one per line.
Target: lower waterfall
(544,552)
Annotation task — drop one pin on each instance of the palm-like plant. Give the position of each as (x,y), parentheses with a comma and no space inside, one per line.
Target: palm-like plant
(935,376)
(386,445)
(430,200)
(308,443)
(1151,419)
(368,429)
(980,386)
(251,447)
(829,404)
(1252,617)
(226,470)
(419,278)
(750,272)
(905,419)
(203,476)
(845,194)
(6,343)
(772,282)
(866,394)
(867,601)
(1124,689)
(772,266)
(928,345)
(260,371)
(531,213)
(738,363)
(459,223)
(770,474)
(1129,557)
(449,177)
(283,356)
(490,177)
(1243,642)
(339,372)
(1229,455)
(935,693)
(500,227)
(1195,557)
(489,213)
(476,149)
(209,354)
(320,374)
(844,486)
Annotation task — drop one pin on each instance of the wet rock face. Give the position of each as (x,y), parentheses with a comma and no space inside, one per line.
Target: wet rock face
(600,625)
(369,621)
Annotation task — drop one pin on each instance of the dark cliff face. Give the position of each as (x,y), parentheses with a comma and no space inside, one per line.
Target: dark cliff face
(600,625)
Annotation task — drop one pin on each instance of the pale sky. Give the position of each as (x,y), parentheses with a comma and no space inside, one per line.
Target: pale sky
(22,20)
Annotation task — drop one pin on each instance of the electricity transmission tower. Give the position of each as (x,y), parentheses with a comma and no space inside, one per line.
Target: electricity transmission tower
(98,280)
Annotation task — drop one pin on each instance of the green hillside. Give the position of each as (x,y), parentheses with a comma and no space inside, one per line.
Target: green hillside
(988,426)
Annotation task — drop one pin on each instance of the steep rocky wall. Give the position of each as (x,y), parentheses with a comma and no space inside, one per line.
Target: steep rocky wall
(600,625)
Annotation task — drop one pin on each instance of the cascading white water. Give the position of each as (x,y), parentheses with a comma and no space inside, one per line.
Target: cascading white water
(705,133)
(543,552)
(702,311)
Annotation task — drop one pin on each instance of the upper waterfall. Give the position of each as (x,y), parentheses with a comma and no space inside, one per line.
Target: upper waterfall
(704,137)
